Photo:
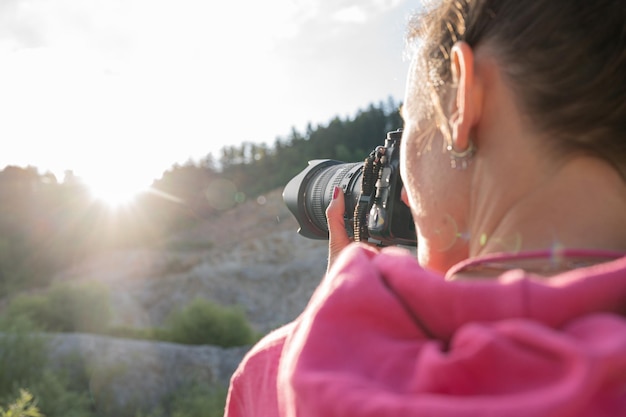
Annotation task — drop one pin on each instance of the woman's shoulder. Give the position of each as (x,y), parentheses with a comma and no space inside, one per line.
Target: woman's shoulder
(252,389)
(362,254)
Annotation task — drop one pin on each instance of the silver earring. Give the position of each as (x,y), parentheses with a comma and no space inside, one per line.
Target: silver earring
(461,160)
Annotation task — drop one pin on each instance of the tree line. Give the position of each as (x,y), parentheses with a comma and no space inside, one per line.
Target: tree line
(46,224)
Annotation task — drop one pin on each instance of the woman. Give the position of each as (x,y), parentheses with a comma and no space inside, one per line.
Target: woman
(513,161)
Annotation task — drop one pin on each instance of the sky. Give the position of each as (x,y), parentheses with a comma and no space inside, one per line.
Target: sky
(120,90)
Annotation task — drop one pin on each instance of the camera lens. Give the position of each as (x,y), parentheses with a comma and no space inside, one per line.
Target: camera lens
(309,193)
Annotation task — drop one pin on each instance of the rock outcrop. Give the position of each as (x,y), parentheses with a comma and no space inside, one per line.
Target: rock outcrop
(132,375)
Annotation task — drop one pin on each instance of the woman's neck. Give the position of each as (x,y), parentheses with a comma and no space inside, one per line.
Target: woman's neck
(581,205)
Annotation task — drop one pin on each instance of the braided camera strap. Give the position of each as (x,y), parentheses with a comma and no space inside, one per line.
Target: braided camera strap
(368,184)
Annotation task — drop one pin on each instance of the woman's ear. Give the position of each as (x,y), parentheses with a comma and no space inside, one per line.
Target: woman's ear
(466,107)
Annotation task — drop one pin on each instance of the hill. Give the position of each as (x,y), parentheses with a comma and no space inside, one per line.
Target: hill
(249,256)
(155,258)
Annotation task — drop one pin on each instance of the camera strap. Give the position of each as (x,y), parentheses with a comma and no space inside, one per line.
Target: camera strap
(371,168)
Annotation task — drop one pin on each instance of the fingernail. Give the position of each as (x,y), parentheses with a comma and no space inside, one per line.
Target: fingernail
(335,192)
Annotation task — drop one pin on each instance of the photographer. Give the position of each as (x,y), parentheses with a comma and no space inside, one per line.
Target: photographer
(513,159)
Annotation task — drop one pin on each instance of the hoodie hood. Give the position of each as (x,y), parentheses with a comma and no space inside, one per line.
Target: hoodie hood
(383,337)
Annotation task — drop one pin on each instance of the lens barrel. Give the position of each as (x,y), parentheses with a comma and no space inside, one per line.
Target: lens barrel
(309,193)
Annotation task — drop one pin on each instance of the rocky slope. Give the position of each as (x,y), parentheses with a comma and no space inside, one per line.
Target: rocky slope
(250,256)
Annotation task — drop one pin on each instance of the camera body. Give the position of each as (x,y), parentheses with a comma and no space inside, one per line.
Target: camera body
(374,209)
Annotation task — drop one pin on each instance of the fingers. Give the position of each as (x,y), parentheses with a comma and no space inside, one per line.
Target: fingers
(338,236)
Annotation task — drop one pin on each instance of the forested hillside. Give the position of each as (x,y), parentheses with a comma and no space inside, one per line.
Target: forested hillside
(47,223)
(146,310)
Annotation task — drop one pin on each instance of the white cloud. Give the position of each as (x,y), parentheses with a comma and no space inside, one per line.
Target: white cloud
(352,11)
(353,14)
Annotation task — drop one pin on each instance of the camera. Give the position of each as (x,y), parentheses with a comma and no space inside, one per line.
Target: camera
(374,210)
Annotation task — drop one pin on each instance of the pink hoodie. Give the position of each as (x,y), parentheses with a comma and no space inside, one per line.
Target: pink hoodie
(383,337)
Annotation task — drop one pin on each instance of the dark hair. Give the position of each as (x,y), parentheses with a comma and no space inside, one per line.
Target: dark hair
(565,59)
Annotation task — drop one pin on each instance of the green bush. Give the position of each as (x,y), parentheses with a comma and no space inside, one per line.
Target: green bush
(57,398)
(194,400)
(126,332)
(82,307)
(65,307)
(32,308)
(24,406)
(22,356)
(23,365)
(202,322)
(85,307)
(199,401)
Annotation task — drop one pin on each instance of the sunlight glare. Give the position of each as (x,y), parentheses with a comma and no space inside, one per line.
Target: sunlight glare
(114,191)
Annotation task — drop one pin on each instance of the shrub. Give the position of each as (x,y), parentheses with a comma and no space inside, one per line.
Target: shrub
(66,307)
(193,400)
(24,406)
(126,332)
(32,308)
(199,401)
(83,307)
(23,365)
(22,356)
(202,322)
(57,398)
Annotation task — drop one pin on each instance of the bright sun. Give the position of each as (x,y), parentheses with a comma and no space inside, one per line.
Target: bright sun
(113,191)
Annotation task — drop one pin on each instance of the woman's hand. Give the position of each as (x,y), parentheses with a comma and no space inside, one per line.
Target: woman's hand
(338,237)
